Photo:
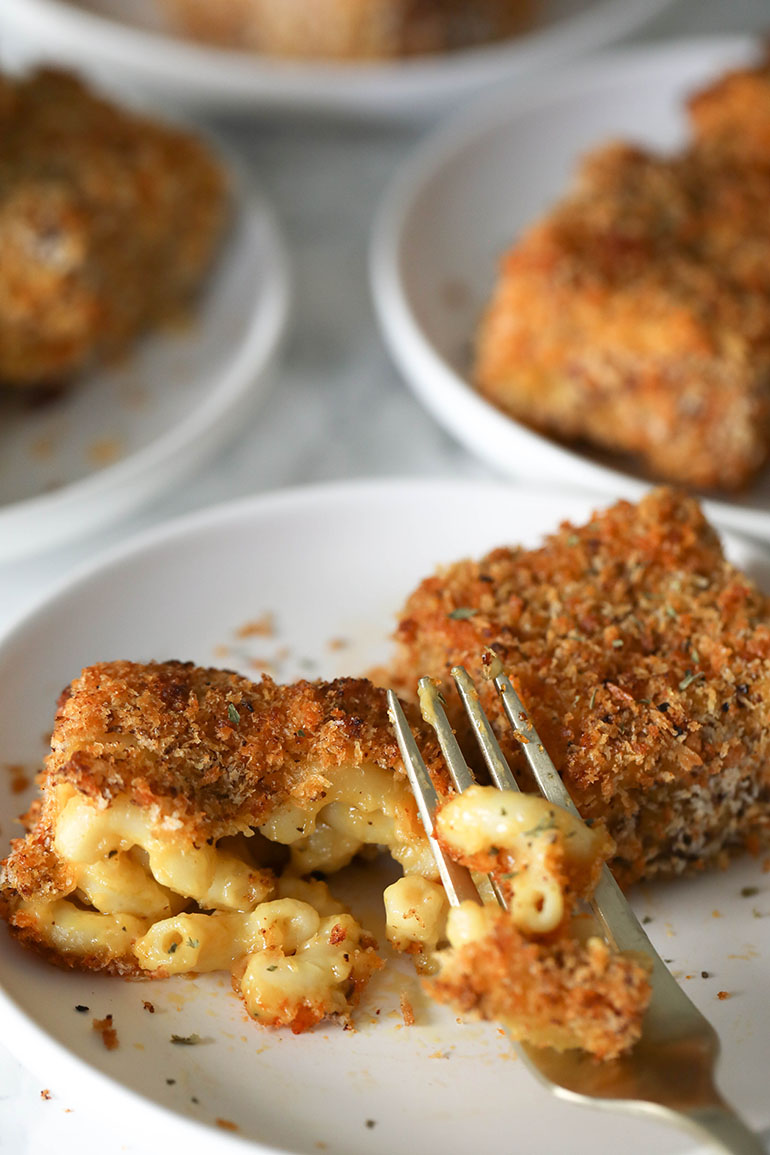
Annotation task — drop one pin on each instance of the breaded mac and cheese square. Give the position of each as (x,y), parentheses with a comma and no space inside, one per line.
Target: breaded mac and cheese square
(109,223)
(643,656)
(184,818)
(634,317)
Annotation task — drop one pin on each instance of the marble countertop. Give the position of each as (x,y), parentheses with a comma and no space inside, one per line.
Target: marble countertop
(337,410)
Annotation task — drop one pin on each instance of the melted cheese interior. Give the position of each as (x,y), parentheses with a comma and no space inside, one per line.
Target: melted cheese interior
(139,890)
(142,894)
(548,855)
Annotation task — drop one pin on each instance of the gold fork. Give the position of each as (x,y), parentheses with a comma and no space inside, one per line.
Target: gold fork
(669,1073)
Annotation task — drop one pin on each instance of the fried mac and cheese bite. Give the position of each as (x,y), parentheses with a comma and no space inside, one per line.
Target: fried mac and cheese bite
(180,809)
(635,316)
(643,657)
(109,222)
(536,967)
(186,813)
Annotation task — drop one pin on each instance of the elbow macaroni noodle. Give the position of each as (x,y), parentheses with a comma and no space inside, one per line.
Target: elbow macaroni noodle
(143,895)
(160,903)
(547,852)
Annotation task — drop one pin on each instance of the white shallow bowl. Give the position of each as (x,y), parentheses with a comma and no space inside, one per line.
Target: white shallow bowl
(125,39)
(123,433)
(332,565)
(461,200)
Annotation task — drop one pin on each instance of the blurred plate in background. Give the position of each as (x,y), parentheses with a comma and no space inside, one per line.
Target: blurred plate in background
(125,40)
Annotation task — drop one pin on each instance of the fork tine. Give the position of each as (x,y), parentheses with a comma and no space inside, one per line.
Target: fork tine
(619,923)
(499,769)
(540,764)
(457,881)
(432,708)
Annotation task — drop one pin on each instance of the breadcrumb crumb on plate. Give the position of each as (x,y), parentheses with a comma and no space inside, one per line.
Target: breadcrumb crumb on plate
(363,547)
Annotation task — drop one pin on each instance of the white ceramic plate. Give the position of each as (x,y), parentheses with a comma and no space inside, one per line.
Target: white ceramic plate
(122,434)
(124,38)
(333,565)
(458,205)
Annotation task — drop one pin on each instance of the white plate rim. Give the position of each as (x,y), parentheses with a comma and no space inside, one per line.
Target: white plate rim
(178,451)
(455,404)
(382,87)
(234,509)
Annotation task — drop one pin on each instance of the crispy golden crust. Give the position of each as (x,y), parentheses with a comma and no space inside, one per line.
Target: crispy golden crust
(636,315)
(214,747)
(348,29)
(108,224)
(547,989)
(732,116)
(208,748)
(644,658)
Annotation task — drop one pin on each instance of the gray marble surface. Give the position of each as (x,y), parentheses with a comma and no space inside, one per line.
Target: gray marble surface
(337,410)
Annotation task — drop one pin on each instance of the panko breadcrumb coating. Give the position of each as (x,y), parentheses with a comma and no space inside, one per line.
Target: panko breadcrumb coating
(181,808)
(732,115)
(206,751)
(109,223)
(635,316)
(348,29)
(643,657)
(169,801)
(550,991)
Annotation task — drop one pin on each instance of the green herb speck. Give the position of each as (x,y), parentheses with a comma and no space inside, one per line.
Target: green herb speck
(172,948)
(193,943)
(547,822)
(185,1040)
(462,612)
(749,891)
(689,678)
(233,714)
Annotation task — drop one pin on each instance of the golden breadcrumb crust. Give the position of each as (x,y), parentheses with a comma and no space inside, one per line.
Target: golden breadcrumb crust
(732,115)
(211,749)
(644,659)
(108,224)
(537,988)
(348,29)
(635,316)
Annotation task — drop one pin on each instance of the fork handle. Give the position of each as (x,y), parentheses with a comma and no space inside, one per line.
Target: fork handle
(726,1131)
